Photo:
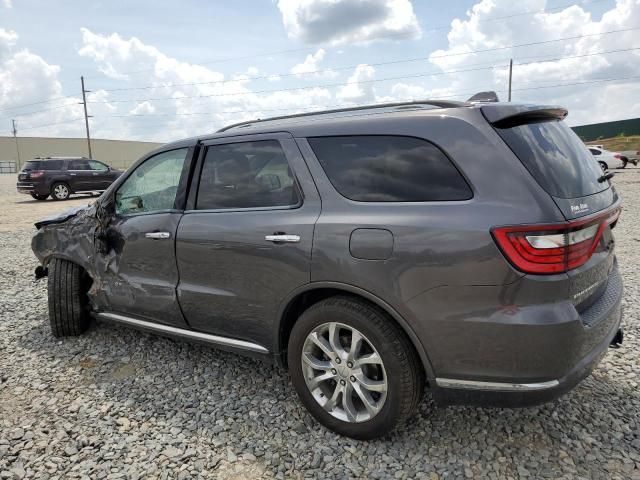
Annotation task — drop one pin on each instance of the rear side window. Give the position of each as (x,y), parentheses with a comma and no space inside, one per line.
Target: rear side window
(52,165)
(80,164)
(246,175)
(389,169)
(556,158)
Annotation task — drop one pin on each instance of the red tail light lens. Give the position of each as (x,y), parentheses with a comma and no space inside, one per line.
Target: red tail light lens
(553,248)
(36,174)
(617,155)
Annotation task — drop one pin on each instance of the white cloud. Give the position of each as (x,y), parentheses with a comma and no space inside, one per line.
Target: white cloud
(7,4)
(478,32)
(355,91)
(311,68)
(348,21)
(26,78)
(201,91)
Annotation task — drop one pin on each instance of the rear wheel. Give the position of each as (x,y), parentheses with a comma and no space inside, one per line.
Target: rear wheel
(353,368)
(68,304)
(37,196)
(60,191)
(604,166)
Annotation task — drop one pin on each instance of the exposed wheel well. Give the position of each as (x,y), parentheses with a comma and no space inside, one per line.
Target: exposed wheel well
(306,299)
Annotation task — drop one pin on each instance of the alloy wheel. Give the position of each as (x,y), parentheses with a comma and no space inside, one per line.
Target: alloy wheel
(61,191)
(344,372)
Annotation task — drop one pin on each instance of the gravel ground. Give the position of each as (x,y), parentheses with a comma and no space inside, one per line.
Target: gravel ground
(117,403)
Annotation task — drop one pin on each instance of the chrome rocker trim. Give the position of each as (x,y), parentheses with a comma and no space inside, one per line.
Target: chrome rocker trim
(181,332)
(495,386)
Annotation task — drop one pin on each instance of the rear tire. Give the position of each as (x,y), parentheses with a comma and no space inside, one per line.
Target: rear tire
(398,374)
(60,191)
(603,166)
(68,303)
(37,196)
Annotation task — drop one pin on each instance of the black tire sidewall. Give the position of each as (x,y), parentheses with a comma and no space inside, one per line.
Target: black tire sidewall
(391,411)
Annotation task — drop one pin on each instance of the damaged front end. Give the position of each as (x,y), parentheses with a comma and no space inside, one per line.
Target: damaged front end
(79,235)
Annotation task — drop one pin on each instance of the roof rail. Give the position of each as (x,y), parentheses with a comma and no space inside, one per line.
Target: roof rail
(414,103)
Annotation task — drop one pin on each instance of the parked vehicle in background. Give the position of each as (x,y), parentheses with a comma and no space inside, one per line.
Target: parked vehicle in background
(608,159)
(368,250)
(62,176)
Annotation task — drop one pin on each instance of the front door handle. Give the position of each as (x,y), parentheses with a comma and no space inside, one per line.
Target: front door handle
(157,235)
(282,238)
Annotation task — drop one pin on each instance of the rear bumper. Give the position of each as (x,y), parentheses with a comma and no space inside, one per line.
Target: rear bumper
(30,187)
(589,342)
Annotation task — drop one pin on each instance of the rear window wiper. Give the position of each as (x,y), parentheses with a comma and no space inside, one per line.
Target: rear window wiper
(605,177)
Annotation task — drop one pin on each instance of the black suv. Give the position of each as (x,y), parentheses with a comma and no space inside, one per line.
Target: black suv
(62,176)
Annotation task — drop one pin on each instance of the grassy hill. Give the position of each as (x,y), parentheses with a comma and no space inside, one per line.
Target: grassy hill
(619,143)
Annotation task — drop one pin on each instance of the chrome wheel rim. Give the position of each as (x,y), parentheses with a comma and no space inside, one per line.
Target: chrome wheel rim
(344,372)
(61,191)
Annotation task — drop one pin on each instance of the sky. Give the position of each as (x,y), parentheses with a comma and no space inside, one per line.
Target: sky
(160,71)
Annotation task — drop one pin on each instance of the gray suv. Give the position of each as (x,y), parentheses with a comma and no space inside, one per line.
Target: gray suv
(465,247)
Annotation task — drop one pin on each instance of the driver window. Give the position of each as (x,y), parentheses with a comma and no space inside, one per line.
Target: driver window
(153,185)
(95,165)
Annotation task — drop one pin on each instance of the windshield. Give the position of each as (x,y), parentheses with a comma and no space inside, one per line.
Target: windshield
(556,158)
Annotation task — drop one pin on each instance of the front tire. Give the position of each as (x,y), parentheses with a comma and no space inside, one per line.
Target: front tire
(37,196)
(354,369)
(68,303)
(60,191)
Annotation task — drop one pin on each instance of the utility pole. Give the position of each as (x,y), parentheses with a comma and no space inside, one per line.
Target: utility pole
(510,76)
(15,137)
(86,116)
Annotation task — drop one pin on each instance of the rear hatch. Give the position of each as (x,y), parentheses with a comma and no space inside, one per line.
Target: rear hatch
(27,168)
(562,165)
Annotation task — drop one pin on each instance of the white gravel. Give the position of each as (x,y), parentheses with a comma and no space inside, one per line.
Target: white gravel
(117,403)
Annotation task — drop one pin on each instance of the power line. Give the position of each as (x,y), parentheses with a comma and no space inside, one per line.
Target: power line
(391,35)
(70,120)
(452,95)
(349,67)
(15,107)
(308,87)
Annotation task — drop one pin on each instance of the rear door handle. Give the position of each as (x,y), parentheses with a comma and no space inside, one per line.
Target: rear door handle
(157,235)
(282,238)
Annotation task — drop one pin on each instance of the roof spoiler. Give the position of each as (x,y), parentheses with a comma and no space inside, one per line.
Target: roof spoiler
(509,115)
(489,96)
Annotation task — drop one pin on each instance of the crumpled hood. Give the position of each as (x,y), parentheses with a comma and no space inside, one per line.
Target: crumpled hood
(61,216)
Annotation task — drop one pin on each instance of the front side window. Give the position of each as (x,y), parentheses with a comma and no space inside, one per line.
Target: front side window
(95,165)
(388,168)
(246,175)
(153,185)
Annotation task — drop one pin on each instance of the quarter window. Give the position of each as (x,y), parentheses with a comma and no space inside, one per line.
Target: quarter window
(153,185)
(389,169)
(246,175)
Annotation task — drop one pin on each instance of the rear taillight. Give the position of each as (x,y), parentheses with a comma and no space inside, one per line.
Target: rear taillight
(617,155)
(553,248)
(37,174)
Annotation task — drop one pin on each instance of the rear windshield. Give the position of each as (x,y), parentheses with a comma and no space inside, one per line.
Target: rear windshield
(31,166)
(43,165)
(556,158)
